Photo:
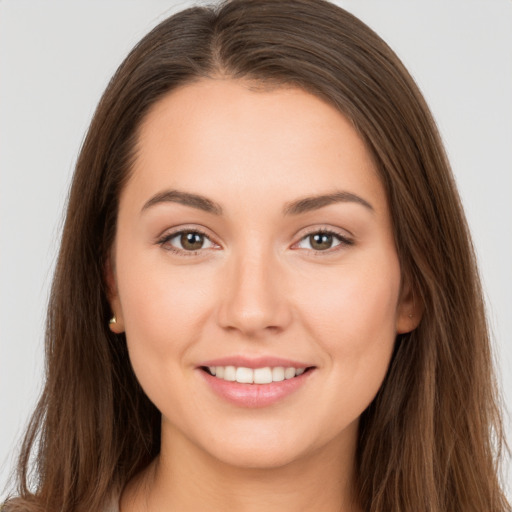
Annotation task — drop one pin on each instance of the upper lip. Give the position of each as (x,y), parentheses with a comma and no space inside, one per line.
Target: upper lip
(255,362)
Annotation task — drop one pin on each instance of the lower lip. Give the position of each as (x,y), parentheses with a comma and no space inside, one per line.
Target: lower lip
(255,395)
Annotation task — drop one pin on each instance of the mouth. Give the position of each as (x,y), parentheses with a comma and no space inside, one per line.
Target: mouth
(257,376)
(259,386)
(257,381)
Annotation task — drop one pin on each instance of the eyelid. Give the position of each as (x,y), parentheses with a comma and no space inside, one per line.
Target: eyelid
(345,239)
(327,228)
(163,239)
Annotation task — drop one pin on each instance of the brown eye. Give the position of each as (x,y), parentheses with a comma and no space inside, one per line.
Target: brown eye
(321,241)
(191,241)
(186,242)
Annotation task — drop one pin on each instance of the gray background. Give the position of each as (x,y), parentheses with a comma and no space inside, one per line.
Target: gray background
(55,60)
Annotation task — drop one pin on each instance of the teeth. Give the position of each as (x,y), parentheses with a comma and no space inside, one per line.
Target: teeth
(264,375)
(229,373)
(289,373)
(244,375)
(278,374)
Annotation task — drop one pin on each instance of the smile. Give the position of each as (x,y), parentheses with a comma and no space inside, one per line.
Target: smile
(256,385)
(245,375)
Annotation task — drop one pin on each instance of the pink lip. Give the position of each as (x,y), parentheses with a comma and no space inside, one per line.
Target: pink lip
(254,395)
(257,362)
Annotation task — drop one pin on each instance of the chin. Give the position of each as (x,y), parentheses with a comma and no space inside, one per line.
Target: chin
(254,458)
(259,452)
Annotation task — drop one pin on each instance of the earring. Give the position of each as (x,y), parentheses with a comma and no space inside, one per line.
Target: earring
(410,315)
(113,320)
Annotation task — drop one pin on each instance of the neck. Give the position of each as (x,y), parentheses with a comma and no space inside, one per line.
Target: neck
(184,477)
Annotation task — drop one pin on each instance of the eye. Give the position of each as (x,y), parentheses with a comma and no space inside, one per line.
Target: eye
(323,240)
(187,242)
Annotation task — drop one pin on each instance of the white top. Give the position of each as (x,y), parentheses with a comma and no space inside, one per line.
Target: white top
(114,504)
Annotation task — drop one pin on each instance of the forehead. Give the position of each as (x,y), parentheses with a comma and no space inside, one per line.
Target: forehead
(221,135)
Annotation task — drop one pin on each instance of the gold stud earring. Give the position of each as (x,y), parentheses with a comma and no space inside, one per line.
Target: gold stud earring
(113,320)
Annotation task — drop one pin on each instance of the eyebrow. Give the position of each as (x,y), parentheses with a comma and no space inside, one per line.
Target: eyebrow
(308,204)
(296,207)
(186,198)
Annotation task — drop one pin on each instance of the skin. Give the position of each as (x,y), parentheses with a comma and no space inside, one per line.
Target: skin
(257,286)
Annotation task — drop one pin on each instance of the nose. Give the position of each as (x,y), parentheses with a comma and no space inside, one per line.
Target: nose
(253,299)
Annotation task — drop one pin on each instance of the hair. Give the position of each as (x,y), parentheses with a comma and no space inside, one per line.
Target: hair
(431,439)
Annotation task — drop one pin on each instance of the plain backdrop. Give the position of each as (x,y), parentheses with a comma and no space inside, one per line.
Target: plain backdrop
(56,58)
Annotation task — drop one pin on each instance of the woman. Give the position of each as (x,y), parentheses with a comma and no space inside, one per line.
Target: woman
(266,294)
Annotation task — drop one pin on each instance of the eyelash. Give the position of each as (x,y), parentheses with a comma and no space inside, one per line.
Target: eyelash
(343,241)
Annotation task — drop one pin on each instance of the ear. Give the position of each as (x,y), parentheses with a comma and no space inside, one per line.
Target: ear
(409,311)
(116,323)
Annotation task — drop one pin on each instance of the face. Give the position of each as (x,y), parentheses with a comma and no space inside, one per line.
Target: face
(254,236)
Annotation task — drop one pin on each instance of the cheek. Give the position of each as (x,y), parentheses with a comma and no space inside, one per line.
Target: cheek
(160,310)
(354,304)
(162,306)
(353,321)
(164,310)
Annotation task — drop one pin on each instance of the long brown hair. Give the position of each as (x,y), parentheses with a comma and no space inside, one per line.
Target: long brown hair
(431,439)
